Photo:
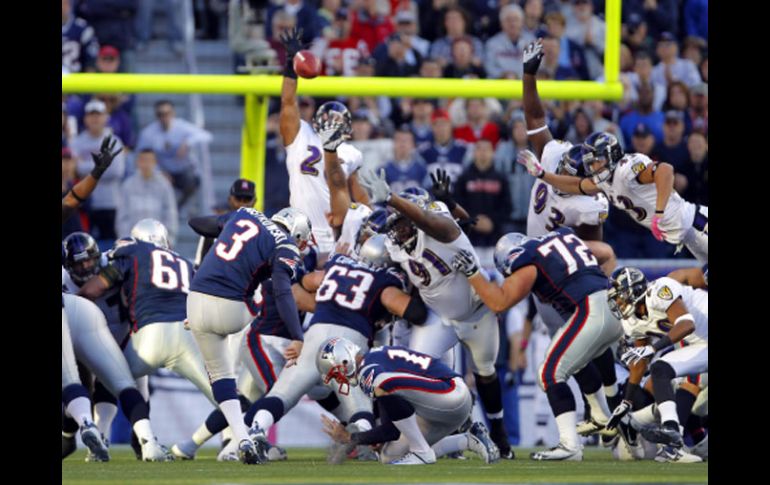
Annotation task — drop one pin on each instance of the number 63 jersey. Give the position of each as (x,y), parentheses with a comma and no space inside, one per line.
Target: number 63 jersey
(154,281)
(549,210)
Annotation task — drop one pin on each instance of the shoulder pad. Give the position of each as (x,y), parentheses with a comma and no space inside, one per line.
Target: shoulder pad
(122,246)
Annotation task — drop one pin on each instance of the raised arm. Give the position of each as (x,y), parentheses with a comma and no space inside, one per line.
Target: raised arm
(534,114)
(289,117)
(440,190)
(80,192)
(339,198)
(515,288)
(565,183)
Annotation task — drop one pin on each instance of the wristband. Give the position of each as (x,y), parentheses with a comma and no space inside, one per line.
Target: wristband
(686,316)
(288,71)
(662,343)
(76,196)
(659,212)
(580,187)
(537,130)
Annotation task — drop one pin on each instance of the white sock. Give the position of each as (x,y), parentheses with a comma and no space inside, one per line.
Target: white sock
(600,410)
(67,435)
(567,422)
(104,414)
(645,416)
(264,419)
(451,444)
(414,436)
(201,435)
(667,411)
(363,425)
(232,411)
(227,434)
(143,430)
(611,391)
(79,409)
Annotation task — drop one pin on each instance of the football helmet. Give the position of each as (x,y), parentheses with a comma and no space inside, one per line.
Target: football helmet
(333,109)
(337,361)
(83,257)
(418,195)
(507,249)
(151,231)
(296,223)
(374,253)
(374,223)
(628,288)
(601,145)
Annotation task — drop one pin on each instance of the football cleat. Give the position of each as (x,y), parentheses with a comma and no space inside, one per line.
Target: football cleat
(559,452)
(154,451)
(593,426)
(68,446)
(229,451)
(498,435)
(92,438)
(276,453)
(259,438)
(480,443)
(701,449)
(248,453)
(185,450)
(416,458)
(673,454)
(665,435)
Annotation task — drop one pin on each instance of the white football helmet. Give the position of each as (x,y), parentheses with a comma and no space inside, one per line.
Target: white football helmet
(337,360)
(374,252)
(506,247)
(151,231)
(297,223)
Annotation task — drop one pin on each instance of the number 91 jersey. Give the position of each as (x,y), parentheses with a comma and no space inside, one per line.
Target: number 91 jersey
(549,210)
(567,271)
(350,294)
(155,281)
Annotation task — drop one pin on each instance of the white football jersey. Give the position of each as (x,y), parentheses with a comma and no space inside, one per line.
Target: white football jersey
(638,200)
(309,191)
(429,267)
(354,219)
(111,312)
(660,294)
(549,210)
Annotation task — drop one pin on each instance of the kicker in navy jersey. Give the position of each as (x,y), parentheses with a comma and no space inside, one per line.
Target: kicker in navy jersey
(411,370)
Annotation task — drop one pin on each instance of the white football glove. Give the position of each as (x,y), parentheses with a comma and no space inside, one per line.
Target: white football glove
(623,408)
(331,134)
(465,263)
(530,162)
(376,185)
(637,353)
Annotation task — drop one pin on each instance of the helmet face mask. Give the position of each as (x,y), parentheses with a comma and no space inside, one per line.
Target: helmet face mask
(296,223)
(601,147)
(333,110)
(337,360)
(629,286)
(402,231)
(374,224)
(83,257)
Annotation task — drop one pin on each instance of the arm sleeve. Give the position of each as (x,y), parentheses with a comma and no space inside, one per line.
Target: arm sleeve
(208,226)
(284,300)
(381,434)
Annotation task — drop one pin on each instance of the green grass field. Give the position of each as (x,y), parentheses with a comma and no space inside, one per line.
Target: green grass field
(309,466)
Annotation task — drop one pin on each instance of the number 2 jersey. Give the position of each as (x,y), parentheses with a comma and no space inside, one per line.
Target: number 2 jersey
(154,281)
(639,200)
(429,267)
(247,252)
(660,295)
(405,369)
(308,189)
(567,271)
(350,294)
(549,210)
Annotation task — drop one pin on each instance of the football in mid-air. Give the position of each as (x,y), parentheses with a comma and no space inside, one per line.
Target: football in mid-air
(307,65)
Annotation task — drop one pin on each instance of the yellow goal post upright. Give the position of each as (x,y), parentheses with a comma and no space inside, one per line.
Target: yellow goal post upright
(258,88)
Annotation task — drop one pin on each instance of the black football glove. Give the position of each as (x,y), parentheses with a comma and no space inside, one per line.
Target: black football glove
(440,188)
(104,158)
(292,42)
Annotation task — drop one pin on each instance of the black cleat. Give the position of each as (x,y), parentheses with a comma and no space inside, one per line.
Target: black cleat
(666,435)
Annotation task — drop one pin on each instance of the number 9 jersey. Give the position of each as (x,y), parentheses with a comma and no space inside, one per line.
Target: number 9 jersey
(350,294)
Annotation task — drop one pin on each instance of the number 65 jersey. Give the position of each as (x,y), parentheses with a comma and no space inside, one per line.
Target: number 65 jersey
(154,281)
(549,210)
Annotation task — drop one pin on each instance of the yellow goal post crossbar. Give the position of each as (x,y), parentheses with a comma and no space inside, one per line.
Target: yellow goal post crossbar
(258,88)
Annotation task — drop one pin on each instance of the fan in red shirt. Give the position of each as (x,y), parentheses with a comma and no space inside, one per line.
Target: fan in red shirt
(478,125)
(370,26)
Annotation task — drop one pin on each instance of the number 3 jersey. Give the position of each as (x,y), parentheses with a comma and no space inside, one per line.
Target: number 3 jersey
(308,189)
(154,281)
(350,294)
(247,252)
(429,267)
(660,295)
(639,200)
(407,369)
(567,271)
(549,210)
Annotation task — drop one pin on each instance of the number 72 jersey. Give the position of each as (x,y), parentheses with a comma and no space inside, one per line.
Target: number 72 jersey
(567,271)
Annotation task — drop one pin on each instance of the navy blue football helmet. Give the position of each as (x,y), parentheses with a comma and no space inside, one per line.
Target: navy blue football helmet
(602,145)
(83,257)
(333,109)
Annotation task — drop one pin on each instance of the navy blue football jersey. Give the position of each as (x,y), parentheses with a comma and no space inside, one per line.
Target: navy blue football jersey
(411,369)
(79,46)
(154,281)
(268,321)
(244,255)
(350,294)
(567,271)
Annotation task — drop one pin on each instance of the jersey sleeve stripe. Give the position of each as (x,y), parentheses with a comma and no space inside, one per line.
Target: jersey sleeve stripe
(411,383)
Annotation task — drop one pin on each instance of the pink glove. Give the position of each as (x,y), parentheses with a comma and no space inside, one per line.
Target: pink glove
(659,234)
(530,162)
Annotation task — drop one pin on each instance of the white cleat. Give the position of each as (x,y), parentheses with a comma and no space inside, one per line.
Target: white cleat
(480,443)
(185,450)
(560,452)
(154,451)
(671,454)
(593,426)
(416,458)
(229,452)
(276,453)
(93,439)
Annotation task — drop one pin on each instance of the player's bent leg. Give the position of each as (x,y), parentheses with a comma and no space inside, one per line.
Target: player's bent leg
(433,337)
